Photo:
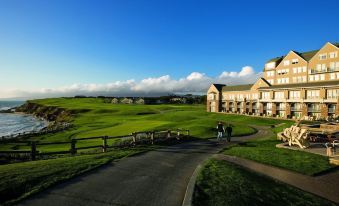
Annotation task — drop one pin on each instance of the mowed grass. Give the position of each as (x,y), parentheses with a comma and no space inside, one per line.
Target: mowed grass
(222,183)
(20,180)
(264,150)
(93,117)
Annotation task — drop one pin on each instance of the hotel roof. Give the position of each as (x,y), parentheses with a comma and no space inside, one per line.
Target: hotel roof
(305,55)
(242,87)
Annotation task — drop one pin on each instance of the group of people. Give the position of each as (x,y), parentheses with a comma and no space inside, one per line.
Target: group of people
(222,131)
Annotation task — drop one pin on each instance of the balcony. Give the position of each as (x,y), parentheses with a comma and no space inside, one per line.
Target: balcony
(281,108)
(296,109)
(328,69)
(331,110)
(309,109)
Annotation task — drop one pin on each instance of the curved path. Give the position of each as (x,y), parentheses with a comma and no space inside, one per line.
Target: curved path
(158,177)
(325,185)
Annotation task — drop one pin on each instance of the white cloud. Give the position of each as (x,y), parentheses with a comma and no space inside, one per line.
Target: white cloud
(194,83)
(195,75)
(245,71)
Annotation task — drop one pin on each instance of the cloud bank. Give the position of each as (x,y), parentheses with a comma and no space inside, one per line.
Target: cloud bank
(196,83)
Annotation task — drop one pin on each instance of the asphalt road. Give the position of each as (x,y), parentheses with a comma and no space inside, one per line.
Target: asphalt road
(159,177)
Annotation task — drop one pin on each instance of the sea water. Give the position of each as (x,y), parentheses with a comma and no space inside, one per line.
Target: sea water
(11,124)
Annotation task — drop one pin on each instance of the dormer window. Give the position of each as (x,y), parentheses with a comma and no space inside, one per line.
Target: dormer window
(295,61)
(270,65)
(286,62)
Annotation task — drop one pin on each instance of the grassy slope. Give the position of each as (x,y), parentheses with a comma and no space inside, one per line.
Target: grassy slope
(22,179)
(93,117)
(222,183)
(264,150)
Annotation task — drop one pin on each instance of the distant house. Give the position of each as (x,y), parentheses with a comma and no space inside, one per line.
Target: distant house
(115,101)
(126,101)
(140,101)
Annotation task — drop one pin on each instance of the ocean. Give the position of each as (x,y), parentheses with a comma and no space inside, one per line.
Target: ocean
(11,124)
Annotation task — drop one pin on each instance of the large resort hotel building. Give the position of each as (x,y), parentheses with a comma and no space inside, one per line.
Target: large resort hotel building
(298,85)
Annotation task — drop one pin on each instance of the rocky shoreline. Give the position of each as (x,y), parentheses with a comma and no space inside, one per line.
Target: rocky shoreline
(58,119)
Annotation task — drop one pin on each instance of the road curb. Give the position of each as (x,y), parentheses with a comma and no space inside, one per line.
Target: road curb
(188,199)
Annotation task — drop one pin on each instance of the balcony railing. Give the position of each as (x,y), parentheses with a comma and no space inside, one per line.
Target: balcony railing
(313,109)
(327,69)
(295,108)
(331,110)
(281,108)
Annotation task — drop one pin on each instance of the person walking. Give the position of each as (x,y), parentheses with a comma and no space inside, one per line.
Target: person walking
(229,132)
(221,131)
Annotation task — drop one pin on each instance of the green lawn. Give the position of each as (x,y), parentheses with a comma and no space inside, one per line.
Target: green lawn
(264,150)
(93,117)
(22,179)
(222,183)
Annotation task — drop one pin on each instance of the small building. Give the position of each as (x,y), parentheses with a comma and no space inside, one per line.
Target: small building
(126,101)
(115,101)
(140,101)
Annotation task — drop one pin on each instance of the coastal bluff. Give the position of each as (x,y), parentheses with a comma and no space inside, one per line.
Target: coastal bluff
(49,113)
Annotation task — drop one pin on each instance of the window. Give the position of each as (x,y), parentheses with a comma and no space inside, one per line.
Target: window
(333,55)
(286,62)
(211,96)
(312,94)
(294,94)
(255,96)
(269,106)
(316,77)
(332,93)
(270,65)
(311,78)
(232,97)
(322,56)
(278,95)
(332,76)
(299,79)
(295,70)
(304,68)
(334,66)
(271,81)
(295,61)
(322,77)
(282,71)
(265,95)
(283,81)
(304,78)
(321,68)
(270,73)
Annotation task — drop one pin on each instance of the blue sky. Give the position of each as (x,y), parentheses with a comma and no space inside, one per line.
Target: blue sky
(53,44)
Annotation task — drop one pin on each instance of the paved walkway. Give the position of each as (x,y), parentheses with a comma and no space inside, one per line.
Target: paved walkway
(157,177)
(325,185)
